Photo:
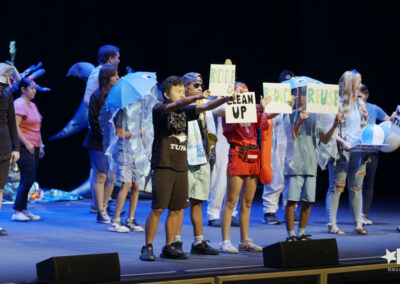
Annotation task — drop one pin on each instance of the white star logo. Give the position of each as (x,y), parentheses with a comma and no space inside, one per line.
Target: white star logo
(389,256)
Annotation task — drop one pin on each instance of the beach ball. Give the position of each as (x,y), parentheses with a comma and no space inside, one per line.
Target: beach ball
(373,134)
(386,128)
(393,143)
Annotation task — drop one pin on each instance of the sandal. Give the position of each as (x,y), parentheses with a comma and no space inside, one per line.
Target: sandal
(360,231)
(335,230)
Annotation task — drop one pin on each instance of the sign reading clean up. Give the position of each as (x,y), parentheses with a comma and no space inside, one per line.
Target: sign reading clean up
(280,97)
(322,98)
(222,79)
(242,110)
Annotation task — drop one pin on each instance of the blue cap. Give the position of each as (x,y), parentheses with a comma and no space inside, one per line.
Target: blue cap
(192,77)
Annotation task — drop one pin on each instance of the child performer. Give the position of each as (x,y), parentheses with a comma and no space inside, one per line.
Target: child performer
(242,176)
(301,181)
(169,162)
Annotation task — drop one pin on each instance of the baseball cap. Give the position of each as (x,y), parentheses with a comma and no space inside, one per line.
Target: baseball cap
(285,75)
(192,77)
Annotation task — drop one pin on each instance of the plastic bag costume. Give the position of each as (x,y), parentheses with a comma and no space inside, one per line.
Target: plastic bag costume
(137,119)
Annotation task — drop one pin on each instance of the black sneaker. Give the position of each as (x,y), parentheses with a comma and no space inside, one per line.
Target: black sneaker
(178,245)
(170,251)
(270,219)
(147,253)
(296,219)
(292,239)
(235,222)
(203,248)
(215,223)
(304,237)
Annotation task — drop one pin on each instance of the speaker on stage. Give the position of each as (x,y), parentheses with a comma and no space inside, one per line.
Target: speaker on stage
(301,253)
(91,268)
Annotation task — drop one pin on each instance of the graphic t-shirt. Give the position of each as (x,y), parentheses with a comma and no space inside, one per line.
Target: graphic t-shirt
(170,137)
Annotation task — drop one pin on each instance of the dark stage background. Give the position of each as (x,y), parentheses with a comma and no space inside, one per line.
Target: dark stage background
(320,39)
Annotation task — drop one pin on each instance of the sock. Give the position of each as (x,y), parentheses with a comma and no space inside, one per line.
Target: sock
(301,231)
(291,233)
(177,238)
(116,220)
(198,239)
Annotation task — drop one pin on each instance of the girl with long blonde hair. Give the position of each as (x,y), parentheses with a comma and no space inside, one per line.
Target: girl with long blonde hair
(344,163)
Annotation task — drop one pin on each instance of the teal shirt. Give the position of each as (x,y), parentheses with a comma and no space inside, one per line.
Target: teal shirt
(306,145)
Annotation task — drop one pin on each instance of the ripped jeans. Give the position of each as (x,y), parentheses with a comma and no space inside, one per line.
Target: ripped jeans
(354,170)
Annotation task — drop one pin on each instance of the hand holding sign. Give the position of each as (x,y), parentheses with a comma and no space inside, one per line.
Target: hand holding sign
(206,94)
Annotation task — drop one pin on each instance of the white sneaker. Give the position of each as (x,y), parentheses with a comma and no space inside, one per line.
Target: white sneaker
(248,245)
(133,225)
(366,220)
(116,226)
(19,216)
(102,217)
(30,215)
(227,247)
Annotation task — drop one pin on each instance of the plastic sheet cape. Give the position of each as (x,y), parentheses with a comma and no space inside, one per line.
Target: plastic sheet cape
(138,120)
(285,134)
(326,151)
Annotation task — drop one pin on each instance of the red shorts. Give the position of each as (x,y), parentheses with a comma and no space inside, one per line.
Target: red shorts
(238,167)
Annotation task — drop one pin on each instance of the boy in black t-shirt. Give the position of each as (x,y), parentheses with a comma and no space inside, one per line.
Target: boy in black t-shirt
(169,162)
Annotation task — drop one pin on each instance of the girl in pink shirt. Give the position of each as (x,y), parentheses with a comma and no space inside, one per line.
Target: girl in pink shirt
(28,121)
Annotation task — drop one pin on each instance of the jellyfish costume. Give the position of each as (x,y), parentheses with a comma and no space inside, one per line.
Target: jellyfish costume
(127,125)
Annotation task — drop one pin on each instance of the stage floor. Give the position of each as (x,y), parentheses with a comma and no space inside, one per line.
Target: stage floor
(67,228)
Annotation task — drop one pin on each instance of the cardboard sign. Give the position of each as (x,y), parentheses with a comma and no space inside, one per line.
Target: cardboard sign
(242,110)
(322,98)
(281,97)
(395,127)
(222,79)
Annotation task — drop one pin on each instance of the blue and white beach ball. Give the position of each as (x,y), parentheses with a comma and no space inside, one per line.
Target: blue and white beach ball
(386,128)
(373,134)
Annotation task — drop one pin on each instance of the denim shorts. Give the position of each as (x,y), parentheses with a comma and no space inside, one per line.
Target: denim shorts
(126,168)
(300,188)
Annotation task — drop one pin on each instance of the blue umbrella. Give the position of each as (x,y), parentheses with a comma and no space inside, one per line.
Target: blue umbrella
(300,81)
(130,88)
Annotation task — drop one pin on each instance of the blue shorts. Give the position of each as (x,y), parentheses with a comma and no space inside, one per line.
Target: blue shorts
(126,168)
(300,188)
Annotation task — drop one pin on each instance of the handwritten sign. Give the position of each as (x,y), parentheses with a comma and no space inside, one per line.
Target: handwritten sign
(280,97)
(222,79)
(395,127)
(322,98)
(243,109)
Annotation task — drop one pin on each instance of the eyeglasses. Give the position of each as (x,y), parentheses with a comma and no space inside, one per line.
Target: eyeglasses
(197,85)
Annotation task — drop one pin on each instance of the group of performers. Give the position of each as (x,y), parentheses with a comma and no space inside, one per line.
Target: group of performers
(196,156)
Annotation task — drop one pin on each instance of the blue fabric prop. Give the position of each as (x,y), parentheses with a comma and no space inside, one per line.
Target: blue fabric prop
(300,81)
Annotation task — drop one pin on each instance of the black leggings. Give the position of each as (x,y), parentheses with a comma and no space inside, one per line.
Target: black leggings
(27,164)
